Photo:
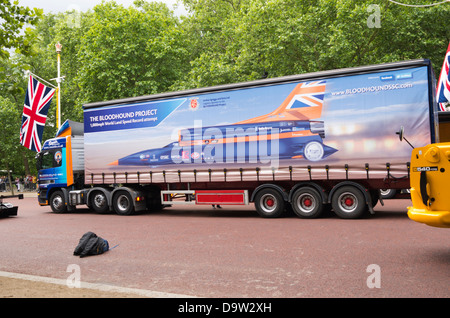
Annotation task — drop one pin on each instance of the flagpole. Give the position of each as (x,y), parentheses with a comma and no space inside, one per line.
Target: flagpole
(58,80)
(28,73)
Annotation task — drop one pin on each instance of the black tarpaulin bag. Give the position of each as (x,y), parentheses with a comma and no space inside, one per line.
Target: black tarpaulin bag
(91,244)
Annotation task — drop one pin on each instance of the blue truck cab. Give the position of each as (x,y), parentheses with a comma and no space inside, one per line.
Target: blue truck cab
(60,165)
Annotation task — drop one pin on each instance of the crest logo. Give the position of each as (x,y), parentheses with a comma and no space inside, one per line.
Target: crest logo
(58,157)
(195,155)
(193,103)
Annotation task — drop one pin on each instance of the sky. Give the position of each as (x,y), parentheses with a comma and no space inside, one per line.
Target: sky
(82,5)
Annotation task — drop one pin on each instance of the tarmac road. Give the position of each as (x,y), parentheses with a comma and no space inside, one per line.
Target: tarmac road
(234,253)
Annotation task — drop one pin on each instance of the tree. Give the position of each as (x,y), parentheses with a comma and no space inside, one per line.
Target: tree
(115,52)
(238,40)
(12,20)
(13,156)
(11,153)
(129,51)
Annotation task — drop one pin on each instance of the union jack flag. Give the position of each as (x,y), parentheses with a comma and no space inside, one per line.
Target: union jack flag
(443,88)
(308,94)
(35,109)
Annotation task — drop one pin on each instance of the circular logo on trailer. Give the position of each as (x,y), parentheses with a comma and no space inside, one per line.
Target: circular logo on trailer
(58,157)
(194,103)
(195,155)
(313,151)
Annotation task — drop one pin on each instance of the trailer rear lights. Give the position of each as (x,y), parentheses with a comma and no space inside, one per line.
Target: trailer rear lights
(139,199)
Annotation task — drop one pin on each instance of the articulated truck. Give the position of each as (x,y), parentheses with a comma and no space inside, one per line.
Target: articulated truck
(305,143)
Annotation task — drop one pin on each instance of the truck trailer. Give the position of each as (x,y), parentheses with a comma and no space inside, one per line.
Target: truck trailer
(305,143)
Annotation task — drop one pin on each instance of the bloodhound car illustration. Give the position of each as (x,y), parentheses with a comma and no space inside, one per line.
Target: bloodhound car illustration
(289,132)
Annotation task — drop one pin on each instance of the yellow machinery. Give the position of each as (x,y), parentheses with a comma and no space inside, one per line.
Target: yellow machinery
(430,184)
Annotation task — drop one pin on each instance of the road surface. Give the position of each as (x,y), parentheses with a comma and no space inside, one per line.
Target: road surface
(234,253)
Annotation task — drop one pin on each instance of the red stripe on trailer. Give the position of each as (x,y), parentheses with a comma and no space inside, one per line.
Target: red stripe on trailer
(223,197)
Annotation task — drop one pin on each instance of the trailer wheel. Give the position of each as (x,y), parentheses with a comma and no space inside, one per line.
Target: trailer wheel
(307,203)
(58,202)
(348,202)
(98,202)
(269,203)
(123,203)
(388,193)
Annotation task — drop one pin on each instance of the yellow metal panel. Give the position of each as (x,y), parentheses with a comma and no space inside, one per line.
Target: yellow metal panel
(430,185)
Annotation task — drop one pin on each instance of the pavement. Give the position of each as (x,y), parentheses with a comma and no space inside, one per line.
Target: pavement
(16,285)
(203,252)
(27,194)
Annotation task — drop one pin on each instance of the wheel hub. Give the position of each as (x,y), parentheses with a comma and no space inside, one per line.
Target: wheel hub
(100,200)
(348,201)
(57,202)
(307,202)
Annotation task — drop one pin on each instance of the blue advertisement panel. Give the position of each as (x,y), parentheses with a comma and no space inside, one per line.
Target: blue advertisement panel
(317,126)
(54,169)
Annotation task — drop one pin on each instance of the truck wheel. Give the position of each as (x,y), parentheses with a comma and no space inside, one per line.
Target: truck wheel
(58,202)
(269,203)
(348,202)
(313,151)
(98,202)
(388,193)
(307,203)
(123,203)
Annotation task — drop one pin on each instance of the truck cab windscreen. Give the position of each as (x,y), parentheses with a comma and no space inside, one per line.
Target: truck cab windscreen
(48,159)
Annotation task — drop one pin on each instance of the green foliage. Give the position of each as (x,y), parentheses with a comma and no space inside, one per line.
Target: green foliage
(250,39)
(9,117)
(113,51)
(12,20)
(12,157)
(129,51)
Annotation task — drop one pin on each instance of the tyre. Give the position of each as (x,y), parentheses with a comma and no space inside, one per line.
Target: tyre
(313,151)
(123,203)
(269,203)
(307,203)
(348,202)
(58,202)
(98,202)
(388,193)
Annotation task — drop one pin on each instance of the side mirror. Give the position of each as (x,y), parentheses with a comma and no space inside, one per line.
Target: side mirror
(400,133)
(400,136)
